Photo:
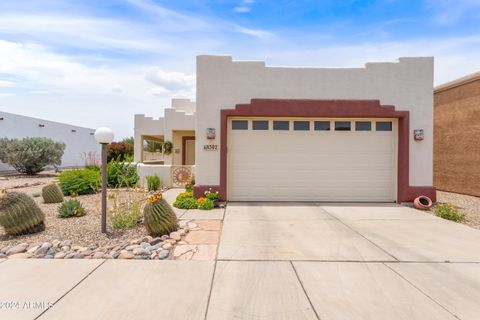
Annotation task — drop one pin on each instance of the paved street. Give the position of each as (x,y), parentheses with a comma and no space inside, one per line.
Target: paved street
(275,261)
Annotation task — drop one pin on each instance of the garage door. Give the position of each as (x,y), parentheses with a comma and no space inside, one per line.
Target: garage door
(280,159)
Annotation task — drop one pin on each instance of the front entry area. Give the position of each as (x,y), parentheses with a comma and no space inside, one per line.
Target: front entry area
(312,159)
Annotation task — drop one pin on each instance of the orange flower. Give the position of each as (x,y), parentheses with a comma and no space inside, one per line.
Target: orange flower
(154,198)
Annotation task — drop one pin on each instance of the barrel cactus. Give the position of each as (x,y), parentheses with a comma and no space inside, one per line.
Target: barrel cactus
(19,214)
(159,217)
(52,194)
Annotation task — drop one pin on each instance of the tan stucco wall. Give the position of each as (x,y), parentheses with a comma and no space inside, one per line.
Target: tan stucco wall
(457,139)
(177,144)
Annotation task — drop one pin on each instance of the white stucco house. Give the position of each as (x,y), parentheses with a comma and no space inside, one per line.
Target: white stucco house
(80,142)
(309,134)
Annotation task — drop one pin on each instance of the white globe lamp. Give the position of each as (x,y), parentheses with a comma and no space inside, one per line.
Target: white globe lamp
(104,136)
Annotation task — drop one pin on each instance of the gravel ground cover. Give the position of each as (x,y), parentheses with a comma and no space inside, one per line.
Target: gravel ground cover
(468,205)
(82,231)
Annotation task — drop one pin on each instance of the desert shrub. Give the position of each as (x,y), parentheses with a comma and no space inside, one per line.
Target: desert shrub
(186,203)
(31,155)
(448,211)
(153,183)
(79,181)
(183,195)
(126,216)
(158,216)
(121,174)
(19,214)
(71,208)
(205,204)
(94,167)
(120,151)
(52,194)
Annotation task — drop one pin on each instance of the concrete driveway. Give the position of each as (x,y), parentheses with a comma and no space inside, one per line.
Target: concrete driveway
(275,261)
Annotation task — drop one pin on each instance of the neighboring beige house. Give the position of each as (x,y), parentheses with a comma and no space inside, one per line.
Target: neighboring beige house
(457,136)
(313,134)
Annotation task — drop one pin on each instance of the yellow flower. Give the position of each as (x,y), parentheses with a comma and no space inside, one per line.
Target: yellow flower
(154,198)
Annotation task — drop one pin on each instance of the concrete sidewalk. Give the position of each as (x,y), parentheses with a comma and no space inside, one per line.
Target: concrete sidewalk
(275,261)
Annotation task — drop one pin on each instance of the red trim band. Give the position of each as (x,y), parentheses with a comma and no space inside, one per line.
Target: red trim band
(327,109)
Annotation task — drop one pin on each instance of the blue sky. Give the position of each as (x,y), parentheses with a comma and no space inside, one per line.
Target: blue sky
(94,63)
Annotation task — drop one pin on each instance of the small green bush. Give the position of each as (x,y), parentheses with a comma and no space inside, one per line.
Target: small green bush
(71,208)
(31,155)
(205,204)
(94,167)
(448,211)
(126,216)
(79,181)
(153,183)
(212,195)
(121,174)
(185,203)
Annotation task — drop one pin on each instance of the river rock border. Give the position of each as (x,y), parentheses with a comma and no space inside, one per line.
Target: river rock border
(145,248)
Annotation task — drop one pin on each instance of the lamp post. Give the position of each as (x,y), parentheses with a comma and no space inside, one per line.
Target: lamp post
(104,136)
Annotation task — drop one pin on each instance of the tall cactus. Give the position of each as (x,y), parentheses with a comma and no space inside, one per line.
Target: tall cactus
(159,217)
(52,193)
(19,214)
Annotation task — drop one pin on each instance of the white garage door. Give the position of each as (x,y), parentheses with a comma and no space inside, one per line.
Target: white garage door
(312,160)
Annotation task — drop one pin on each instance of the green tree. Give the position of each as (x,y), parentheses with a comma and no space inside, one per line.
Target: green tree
(31,155)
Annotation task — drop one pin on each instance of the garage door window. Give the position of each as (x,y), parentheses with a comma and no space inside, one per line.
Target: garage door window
(301,125)
(342,126)
(260,124)
(363,126)
(281,125)
(322,125)
(384,126)
(240,125)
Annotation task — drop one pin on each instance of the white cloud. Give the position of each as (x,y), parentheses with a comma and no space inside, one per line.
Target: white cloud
(245,6)
(451,11)
(7,84)
(171,81)
(242,9)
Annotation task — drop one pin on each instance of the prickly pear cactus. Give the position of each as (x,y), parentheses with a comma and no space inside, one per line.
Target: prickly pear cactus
(52,194)
(19,214)
(159,217)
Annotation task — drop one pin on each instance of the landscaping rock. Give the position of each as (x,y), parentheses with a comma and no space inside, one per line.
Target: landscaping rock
(32,250)
(125,255)
(163,254)
(65,243)
(48,256)
(2,255)
(175,236)
(140,252)
(60,255)
(98,255)
(56,243)
(167,246)
(22,255)
(148,239)
(19,248)
(131,247)
(164,237)
(42,251)
(155,241)
(144,245)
